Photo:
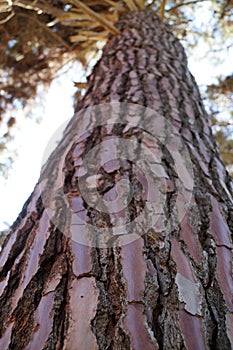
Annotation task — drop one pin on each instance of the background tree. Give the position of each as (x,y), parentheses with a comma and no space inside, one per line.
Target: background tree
(220,95)
(171,286)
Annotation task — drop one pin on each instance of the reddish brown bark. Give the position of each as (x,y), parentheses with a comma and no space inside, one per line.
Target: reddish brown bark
(169,288)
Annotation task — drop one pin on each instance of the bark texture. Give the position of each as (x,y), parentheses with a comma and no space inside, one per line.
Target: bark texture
(167,289)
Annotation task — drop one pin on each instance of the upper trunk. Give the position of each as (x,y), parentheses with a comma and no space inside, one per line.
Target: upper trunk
(69,280)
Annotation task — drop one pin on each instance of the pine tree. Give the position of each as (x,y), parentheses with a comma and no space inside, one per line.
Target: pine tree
(126,241)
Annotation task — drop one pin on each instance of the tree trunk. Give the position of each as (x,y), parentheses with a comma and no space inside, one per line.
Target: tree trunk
(126,242)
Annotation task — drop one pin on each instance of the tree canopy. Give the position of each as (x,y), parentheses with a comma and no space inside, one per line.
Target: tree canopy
(39,37)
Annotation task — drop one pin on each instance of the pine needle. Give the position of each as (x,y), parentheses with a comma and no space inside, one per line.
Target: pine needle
(131,5)
(94,15)
(162,9)
(116,5)
(83,36)
(80,85)
(141,4)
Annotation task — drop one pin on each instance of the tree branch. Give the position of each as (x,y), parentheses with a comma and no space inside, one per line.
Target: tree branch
(7,18)
(162,9)
(44,8)
(96,16)
(184,4)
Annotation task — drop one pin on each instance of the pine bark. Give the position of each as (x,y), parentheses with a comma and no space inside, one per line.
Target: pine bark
(172,287)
